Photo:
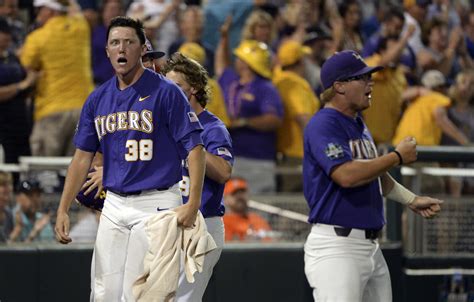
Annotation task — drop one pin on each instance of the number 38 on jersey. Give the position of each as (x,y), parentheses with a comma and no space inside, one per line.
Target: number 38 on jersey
(139,150)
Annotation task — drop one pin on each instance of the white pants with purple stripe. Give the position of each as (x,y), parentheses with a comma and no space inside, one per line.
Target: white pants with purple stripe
(193,292)
(345,269)
(122,243)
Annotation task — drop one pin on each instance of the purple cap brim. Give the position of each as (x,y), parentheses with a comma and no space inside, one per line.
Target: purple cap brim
(364,70)
(154,54)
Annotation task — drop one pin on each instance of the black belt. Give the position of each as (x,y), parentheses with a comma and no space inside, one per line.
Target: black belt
(133,193)
(369,233)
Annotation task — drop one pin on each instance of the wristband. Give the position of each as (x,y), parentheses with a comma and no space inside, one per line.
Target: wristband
(400,159)
(401,194)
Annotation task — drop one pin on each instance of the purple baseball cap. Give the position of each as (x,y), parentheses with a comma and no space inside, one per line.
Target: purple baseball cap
(154,54)
(344,65)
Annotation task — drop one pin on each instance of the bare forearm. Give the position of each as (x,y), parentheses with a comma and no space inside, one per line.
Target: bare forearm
(266,122)
(9,91)
(222,58)
(217,168)
(197,166)
(442,120)
(387,183)
(75,178)
(360,172)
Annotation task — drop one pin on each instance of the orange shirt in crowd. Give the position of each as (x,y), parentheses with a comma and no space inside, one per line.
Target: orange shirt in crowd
(238,227)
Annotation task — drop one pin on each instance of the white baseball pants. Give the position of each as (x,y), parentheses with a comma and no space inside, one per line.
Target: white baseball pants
(193,292)
(122,243)
(345,269)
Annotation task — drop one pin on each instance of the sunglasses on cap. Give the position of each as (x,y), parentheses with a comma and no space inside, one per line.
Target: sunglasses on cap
(363,77)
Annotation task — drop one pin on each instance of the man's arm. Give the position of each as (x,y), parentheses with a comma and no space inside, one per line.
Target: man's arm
(442,120)
(197,164)
(265,122)
(217,168)
(425,206)
(75,178)
(360,172)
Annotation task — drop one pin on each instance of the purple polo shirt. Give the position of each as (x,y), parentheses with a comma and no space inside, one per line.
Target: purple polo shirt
(143,131)
(250,100)
(332,139)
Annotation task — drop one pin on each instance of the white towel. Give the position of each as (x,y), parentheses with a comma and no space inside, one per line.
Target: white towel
(159,281)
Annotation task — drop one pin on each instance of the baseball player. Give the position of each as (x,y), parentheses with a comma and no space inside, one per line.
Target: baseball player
(144,127)
(192,78)
(344,181)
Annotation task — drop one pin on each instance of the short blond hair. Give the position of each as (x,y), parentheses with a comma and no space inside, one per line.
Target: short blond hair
(327,95)
(257,17)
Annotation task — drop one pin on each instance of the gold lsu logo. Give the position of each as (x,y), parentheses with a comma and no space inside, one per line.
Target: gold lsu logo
(357,56)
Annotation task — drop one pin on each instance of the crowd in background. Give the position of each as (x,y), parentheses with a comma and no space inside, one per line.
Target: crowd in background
(263,58)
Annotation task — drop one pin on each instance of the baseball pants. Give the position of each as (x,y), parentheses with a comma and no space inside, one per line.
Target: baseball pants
(122,243)
(193,292)
(345,269)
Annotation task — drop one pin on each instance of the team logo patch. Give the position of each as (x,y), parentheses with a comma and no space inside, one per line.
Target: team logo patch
(334,151)
(248,97)
(223,151)
(193,117)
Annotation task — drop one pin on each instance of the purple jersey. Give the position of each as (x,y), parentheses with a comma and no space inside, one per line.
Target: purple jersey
(143,132)
(249,100)
(217,141)
(331,139)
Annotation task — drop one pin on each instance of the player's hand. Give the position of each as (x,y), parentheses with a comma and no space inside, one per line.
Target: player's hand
(61,229)
(94,181)
(186,215)
(426,206)
(407,149)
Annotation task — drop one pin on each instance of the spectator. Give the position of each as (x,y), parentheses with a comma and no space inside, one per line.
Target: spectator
(101,66)
(191,24)
(6,217)
(319,41)
(239,222)
(426,117)
(259,26)
(392,26)
(300,104)
(444,51)
(15,123)
(216,103)
(60,50)
(159,19)
(30,223)
(254,107)
(9,11)
(351,19)
(415,13)
(389,89)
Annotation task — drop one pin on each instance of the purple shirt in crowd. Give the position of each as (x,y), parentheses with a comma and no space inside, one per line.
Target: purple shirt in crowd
(331,139)
(217,141)
(250,100)
(144,131)
(101,67)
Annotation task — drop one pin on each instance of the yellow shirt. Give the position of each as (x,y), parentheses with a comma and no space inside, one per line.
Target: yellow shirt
(216,103)
(61,51)
(418,120)
(298,98)
(383,115)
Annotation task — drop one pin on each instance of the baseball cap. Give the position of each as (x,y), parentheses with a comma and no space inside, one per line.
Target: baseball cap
(291,52)
(256,55)
(52,4)
(154,54)
(28,187)
(342,66)
(193,51)
(315,34)
(235,184)
(433,79)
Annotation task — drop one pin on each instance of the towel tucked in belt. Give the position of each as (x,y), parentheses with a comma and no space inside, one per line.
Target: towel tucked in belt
(159,281)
